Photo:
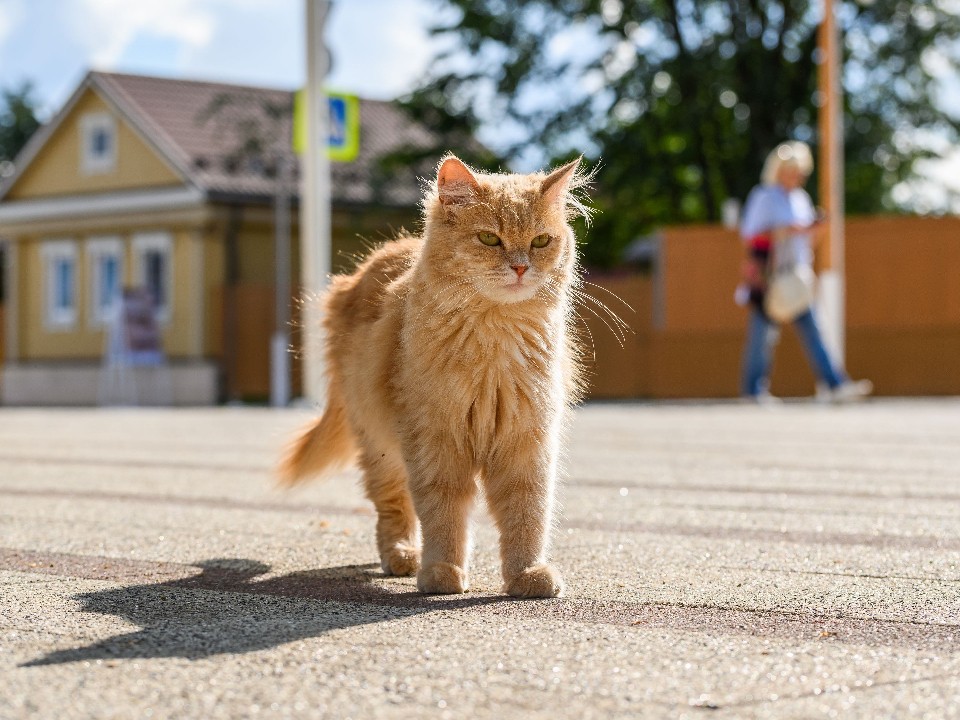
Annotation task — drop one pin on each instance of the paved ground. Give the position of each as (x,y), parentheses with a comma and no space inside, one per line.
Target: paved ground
(722,561)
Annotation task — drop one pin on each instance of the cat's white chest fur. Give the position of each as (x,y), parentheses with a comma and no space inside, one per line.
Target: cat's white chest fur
(514,379)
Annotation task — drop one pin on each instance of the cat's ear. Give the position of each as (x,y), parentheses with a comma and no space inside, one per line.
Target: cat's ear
(456,185)
(555,185)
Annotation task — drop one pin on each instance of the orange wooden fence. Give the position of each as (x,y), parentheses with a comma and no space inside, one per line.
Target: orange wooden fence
(902,301)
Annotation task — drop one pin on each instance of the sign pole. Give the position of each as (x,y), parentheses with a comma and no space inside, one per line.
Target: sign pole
(280,343)
(831,300)
(315,203)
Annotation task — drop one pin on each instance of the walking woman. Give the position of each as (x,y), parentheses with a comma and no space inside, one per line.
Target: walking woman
(777,228)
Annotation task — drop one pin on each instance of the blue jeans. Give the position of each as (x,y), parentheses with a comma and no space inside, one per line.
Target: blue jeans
(762,335)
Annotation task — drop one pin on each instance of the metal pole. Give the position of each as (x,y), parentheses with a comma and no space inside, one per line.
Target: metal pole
(315,202)
(831,300)
(280,343)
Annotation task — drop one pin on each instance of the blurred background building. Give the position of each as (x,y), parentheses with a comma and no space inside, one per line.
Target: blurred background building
(169,185)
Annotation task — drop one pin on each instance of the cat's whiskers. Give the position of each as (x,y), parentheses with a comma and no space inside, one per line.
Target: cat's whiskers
(582,323)
(555,288)
(608,291)
(491,282)
(447,299)
(446,302)
(458,289)
(619,328)
(585,326)
(618,321)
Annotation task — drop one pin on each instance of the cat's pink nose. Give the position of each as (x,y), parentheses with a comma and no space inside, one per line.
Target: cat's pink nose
(519,270)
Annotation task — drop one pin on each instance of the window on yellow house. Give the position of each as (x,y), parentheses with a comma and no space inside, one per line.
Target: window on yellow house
(105,263)
(154,269)
(60,281)
(98,143)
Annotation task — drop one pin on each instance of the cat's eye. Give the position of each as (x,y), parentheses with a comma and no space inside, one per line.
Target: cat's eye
(488,238)
(540,241)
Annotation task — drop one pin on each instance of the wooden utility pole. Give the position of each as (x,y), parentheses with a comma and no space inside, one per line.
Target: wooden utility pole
(315,202)
(831,271)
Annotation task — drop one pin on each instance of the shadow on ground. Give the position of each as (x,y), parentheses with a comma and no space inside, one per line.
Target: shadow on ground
(180,618)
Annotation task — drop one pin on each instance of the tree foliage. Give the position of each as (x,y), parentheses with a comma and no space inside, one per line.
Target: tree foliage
(680,100)
(18,120)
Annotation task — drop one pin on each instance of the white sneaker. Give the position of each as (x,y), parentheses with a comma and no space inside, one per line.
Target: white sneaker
(762,398)
(823,395)
(852,391)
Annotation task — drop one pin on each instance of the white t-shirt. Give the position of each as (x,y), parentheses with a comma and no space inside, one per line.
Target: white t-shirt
(772,206)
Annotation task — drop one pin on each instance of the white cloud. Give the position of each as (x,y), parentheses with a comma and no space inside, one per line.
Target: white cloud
(253,41)
(106,28)
(379,47)
(11,11)
(381,58)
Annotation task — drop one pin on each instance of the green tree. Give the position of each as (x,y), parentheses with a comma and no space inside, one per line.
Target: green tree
(18,119)
(680,100)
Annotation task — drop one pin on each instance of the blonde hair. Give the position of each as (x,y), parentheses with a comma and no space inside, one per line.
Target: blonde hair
(793,153)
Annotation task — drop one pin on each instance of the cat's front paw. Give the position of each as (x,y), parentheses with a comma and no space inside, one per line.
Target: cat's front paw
(442,579)
(401,560)
(539,581)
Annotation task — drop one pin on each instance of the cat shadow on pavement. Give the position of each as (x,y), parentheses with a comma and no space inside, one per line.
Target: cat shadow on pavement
(183,618)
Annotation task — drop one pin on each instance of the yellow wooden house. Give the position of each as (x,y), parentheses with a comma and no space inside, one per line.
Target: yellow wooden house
(150,183)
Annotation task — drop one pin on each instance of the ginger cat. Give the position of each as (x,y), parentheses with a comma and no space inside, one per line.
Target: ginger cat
(451,363)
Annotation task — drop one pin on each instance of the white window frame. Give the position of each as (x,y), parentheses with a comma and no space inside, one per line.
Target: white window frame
(156,242)
(53,252)
(91,163)
(97,248)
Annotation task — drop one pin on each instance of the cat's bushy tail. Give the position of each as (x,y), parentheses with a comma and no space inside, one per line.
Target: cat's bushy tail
(325,446)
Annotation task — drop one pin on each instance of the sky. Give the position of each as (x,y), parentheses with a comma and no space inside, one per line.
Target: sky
(379,47)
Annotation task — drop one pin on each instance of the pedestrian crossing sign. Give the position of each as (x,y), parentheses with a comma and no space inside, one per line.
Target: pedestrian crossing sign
(343,125)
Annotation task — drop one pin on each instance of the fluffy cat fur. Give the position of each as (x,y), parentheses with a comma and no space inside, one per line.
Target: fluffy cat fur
(451,364)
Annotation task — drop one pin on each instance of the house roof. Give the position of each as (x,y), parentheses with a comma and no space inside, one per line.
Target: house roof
(199,127)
